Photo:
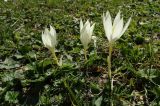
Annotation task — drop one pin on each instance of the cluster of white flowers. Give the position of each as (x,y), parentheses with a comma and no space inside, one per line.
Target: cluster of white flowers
(113,31)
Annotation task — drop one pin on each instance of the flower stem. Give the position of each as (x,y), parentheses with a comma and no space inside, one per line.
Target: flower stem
(110,73)
(85,54)
(73,96)
(54,55)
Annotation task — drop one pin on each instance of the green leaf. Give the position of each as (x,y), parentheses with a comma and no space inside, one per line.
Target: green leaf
(98,101)
(148,74)
(9,63)
(11,97)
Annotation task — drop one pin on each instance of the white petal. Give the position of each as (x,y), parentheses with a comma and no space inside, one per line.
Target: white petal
(52,31)
(87,22)
(92,28)
(88,28)
(117,19)
(53,41)
(81,24)
(126,26)
(108,26)
(84,40)
(84,27)
(117,30)
(107,14)
(85,34)
(46,31)
(43,39)
(53,37)
(46,38)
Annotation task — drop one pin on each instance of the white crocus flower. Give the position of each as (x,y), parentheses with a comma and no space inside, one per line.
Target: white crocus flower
(49,37)
(114,31)
(86,32)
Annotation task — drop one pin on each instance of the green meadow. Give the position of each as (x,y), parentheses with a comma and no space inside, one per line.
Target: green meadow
(29,75)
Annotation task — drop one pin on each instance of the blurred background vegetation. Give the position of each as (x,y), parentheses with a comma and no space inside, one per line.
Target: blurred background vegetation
(28,75)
